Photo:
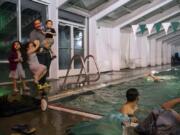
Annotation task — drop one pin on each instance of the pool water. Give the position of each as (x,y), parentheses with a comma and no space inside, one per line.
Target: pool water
(111,98)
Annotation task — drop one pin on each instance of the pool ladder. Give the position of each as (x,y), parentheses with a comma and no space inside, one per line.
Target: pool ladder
(86,79)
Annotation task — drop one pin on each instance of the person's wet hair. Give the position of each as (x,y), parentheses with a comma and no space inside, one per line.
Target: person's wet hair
(132,94)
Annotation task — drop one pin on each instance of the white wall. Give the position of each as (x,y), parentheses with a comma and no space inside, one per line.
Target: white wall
(144,51)
(92,42)
(152,52)
(116,49)
(158,52)
(135,51)
(53,15)
(134,55)
(125,49)
(164,54)
(104,48)
(169,54)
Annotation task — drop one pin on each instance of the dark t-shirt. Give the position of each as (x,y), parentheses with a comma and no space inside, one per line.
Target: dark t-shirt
(49,30)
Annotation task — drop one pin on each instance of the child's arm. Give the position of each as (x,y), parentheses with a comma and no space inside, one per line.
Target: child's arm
(43,32)
(37,44)
(53,32)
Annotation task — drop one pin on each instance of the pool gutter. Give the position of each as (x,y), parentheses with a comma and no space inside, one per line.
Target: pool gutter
(92,87)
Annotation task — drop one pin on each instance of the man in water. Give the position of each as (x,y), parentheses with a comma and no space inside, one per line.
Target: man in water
(129,108)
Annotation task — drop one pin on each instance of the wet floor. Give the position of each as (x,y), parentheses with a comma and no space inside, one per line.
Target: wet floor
(47,123)
(56,123)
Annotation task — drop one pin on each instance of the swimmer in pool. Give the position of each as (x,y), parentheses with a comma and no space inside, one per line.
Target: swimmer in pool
(169,105)
(130,107)
(152,76)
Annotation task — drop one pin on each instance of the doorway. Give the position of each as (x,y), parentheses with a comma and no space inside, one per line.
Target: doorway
(72,39)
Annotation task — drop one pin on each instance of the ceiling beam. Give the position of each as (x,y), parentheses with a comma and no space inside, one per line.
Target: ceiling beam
(77,10)
(140,12)
(165,37)
(102,7)
(172,38)
(174,41)
(61,2)
(163,16)
(161,34)
(127,9)
(109,9)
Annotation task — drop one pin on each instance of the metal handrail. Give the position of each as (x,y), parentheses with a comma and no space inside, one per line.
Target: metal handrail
(82,67)
(87,75)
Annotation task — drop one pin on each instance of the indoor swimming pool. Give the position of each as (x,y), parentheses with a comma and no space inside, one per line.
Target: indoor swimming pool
(109,99)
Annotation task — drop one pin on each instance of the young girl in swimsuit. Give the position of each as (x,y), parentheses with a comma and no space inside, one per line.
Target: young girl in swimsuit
(36,68)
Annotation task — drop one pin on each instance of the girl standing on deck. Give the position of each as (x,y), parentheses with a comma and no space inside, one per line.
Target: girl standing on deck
(15,64)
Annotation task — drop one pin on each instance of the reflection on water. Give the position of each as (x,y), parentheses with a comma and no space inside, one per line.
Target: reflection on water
(152,95)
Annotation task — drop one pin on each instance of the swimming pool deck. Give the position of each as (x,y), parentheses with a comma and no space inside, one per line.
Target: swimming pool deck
(54,122)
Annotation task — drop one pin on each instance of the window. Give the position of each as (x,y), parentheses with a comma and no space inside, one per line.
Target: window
(71,42)
(8,33)
(78,46)
(29,12)
(9,26)
(71,39)
(64,46)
